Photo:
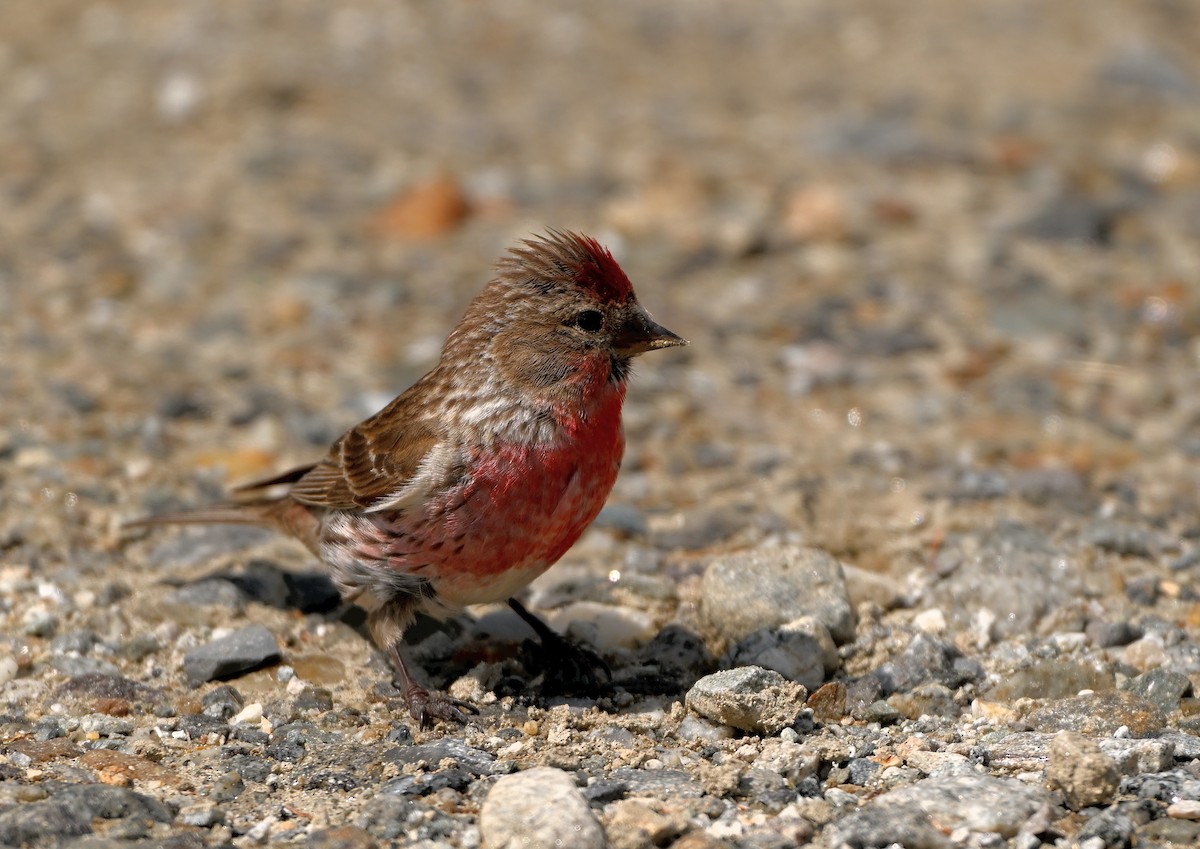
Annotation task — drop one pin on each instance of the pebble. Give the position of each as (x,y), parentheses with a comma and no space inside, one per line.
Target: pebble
(634,824)
(540,808)
(977,803)
(241,651)
(1160,687)
(1184,809)
(1145,653)
(1086,776)
(71,810)
(1123,538)
(801,651)
(769,587)
(749,698)
(925,659)
(39,621)
(1098,715)
(202,815)
(1050,679)
(8,668)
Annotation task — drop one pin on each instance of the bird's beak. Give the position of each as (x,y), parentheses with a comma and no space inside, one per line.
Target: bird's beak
(639,333)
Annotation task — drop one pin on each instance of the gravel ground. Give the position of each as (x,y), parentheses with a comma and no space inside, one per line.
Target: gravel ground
(905,546)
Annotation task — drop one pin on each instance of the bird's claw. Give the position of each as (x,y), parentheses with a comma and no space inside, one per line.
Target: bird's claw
(426,708)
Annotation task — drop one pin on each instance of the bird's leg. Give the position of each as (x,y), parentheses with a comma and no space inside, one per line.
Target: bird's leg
(572,668)
(424,706)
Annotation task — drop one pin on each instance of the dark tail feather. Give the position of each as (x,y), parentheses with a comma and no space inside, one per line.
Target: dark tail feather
(231,514)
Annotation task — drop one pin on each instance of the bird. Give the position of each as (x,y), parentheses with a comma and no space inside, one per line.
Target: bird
(481,475)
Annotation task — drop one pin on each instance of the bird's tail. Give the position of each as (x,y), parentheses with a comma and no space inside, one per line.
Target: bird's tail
(281,514)
(222,514)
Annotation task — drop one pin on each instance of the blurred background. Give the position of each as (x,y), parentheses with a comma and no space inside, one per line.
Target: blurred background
(938,260)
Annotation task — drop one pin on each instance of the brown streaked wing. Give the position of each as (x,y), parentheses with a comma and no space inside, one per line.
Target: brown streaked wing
(364,466)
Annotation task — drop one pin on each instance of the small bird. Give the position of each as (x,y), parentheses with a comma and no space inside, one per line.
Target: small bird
(481,475)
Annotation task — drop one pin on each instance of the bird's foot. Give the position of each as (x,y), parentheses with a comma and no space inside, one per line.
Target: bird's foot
(426,707)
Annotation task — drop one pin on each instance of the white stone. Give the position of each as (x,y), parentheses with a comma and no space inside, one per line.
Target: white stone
(539,808)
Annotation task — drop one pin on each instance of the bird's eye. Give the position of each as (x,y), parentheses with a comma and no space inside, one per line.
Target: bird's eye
(589,320)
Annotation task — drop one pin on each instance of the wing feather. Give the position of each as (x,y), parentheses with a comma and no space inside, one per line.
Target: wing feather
(388,462)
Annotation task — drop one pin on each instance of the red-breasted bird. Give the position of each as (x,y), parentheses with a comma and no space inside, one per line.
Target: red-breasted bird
(480,476)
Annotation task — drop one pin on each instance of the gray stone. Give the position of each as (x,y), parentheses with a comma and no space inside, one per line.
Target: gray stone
(1161,687)
(981,803)
(926,659)
(1050,679)
(663,783)
(769,587)
(210,591)
(474,761)
(75,666)
(1029,751)
(749,698)
(886,825)
(1124,538)
(1098,715)
(1014,571)
(231,655)
(540,808)
(801,651)
(71,811)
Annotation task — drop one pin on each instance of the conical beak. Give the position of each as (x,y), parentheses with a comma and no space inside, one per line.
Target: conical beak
(640,333)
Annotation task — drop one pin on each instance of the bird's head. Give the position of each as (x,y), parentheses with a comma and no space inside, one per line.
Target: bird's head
(560,312)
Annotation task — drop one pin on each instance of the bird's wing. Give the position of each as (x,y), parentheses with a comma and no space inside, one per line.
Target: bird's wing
(290,476)
(382,464)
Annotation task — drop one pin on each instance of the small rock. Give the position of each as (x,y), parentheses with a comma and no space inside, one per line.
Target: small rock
(697,728)
(1145,653)
(1086,776)
(71,811)
(1050,679)
(540,808)
(863,585)
(341,837)
(227,787)
(980,803)
(1123,538)
(800,651)
(749,698)
(1107,635)
(202,815)
(661,783)
(39,621)
(1160,687)
(769,587)
(231,655)
(211,591)
(1184,809)
(828,703)
(76,666)
(472,760)
(222,702)
(1098,715)
(697,529)
(424,211)
(633,824)
(927,659)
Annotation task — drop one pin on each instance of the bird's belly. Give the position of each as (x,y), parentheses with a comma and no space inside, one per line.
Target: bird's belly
(512,517)
(517,527)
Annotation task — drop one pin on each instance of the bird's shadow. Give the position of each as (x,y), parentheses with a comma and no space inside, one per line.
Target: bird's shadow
(667,665)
